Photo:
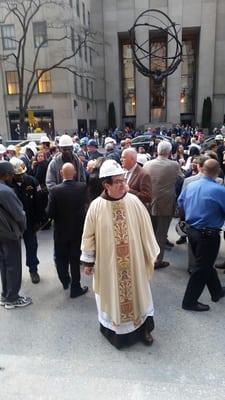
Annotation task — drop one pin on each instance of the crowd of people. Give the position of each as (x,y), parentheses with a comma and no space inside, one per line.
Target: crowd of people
(111,209)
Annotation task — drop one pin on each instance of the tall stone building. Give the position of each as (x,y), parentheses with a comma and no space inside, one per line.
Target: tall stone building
(64,102)
(137,99)
(61,100)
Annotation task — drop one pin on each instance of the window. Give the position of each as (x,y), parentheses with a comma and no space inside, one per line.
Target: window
(128,76)
(44,83)
(90,56)
(78,7)
(71,3)
(82,86)
(89,20)
(188,71)
(83,12)
(85,51)
(8,37)
(158,89)
(40,34)
(75,84)
(73,47)
(92,90)
(87,88)
(79,45)
(12,82)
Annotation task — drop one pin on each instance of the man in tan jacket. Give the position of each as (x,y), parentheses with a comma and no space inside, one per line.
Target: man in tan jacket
(163,173)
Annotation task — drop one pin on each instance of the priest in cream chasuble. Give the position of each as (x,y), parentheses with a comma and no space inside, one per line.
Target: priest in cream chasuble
(119,248)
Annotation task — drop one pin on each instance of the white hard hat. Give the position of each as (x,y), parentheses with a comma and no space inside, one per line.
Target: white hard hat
(142,158)
(110,168)
(181,228)
(109,139)
(219,137)
(18,166)
(32,146)
(11,147)
(2,149)
(65,141)
(44,139)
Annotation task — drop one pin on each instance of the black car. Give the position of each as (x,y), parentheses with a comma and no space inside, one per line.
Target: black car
(149,140)
(208,141)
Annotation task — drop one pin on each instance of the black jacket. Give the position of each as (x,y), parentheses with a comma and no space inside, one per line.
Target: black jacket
(40,171)
(28,195)
(66,205)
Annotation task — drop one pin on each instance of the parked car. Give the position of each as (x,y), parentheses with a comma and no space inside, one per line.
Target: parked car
(210,140)
(149,140)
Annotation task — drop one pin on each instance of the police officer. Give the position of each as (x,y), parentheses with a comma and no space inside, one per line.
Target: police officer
(203,206)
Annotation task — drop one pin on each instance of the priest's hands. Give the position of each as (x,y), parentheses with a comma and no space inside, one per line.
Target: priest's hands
(88,269)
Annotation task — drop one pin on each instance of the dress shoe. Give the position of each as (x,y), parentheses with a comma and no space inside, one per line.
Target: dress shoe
(66,283)
(35,278)
(182,240)
(220,266)
(78,292)
(147,338)
(161,264)
(196,307)
(222,294)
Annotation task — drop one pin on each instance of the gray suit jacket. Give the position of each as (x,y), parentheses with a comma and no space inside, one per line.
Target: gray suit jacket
(163,173)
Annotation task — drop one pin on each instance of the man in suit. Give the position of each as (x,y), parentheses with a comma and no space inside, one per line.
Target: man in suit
(12,226)
(163,173)
(138,180)
(66,205)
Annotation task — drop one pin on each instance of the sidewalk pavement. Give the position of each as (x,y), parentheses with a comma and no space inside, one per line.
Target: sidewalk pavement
(53,349)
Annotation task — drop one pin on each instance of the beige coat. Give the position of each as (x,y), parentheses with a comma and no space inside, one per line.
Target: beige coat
(118,236)
(163,173)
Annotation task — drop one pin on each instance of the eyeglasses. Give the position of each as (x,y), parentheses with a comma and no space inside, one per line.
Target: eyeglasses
(119,181)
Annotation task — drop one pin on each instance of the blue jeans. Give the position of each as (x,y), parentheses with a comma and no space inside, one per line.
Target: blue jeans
(11,268)
(31,245)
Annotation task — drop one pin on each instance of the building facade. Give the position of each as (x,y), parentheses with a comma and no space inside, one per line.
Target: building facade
(139,100)
(105,72)
(62,101)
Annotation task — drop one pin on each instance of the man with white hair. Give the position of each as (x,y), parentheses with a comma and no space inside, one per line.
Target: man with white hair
(163,173)
(111,152)
(139,182)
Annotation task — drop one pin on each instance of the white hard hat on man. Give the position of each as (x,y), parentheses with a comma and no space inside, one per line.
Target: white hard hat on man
(65,141)
(110,168)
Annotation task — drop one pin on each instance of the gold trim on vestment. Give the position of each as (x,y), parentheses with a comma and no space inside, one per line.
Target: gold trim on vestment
(124,276)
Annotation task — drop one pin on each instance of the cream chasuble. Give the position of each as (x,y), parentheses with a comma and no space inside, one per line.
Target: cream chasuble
(118,236)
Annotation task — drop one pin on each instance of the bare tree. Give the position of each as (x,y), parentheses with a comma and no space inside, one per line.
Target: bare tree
(61,32)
